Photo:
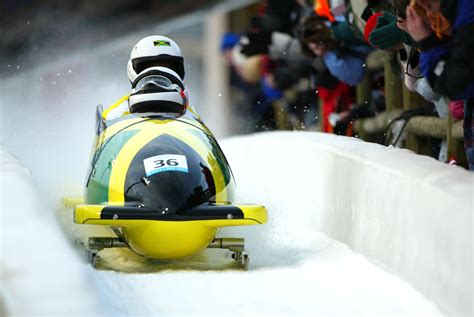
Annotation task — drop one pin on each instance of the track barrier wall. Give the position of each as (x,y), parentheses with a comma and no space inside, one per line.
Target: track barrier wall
(38,264)
(408,213)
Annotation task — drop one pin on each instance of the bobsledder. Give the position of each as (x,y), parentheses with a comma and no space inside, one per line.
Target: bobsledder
(158,178)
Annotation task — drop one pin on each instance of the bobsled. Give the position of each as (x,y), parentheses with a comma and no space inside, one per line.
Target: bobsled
(164,187)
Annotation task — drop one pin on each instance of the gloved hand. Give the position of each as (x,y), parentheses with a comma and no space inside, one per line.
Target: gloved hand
(254,43)
(386,33)
(269,90)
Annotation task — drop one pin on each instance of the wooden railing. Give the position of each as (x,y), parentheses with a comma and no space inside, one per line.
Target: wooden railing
(419,128)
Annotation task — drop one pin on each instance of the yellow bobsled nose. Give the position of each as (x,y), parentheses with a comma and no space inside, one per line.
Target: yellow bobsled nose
(162,236)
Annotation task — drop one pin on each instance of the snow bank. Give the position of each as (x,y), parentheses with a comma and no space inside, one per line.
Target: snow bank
(40,273)
(408,213)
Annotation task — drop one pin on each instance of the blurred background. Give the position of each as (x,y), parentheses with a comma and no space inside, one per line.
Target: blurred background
(61,27)
(55,35)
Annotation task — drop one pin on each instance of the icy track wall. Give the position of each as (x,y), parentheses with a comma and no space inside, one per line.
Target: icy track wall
(408,213)
(40,272)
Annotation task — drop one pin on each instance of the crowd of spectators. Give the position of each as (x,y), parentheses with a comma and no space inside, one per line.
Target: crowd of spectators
(306,57)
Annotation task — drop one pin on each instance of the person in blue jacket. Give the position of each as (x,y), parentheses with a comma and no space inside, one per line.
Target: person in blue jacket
(342,53)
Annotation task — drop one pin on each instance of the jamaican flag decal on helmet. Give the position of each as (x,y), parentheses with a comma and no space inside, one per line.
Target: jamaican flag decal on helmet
(161,43)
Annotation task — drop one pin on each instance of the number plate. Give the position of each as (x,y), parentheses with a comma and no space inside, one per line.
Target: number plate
(165,163)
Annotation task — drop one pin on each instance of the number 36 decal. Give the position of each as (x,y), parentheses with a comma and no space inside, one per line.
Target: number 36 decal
(165,163)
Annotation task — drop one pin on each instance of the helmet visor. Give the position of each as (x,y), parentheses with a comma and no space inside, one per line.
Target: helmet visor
(153,82)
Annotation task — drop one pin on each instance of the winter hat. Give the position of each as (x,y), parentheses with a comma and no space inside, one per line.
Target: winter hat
(370,26)
(229,40)
(323,9)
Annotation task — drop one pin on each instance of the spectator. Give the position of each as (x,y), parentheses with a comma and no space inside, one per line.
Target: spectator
(337,54)
(443,32)
(343,55)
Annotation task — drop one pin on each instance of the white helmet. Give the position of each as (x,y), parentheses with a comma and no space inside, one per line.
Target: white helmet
(158,90)
(155,50)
